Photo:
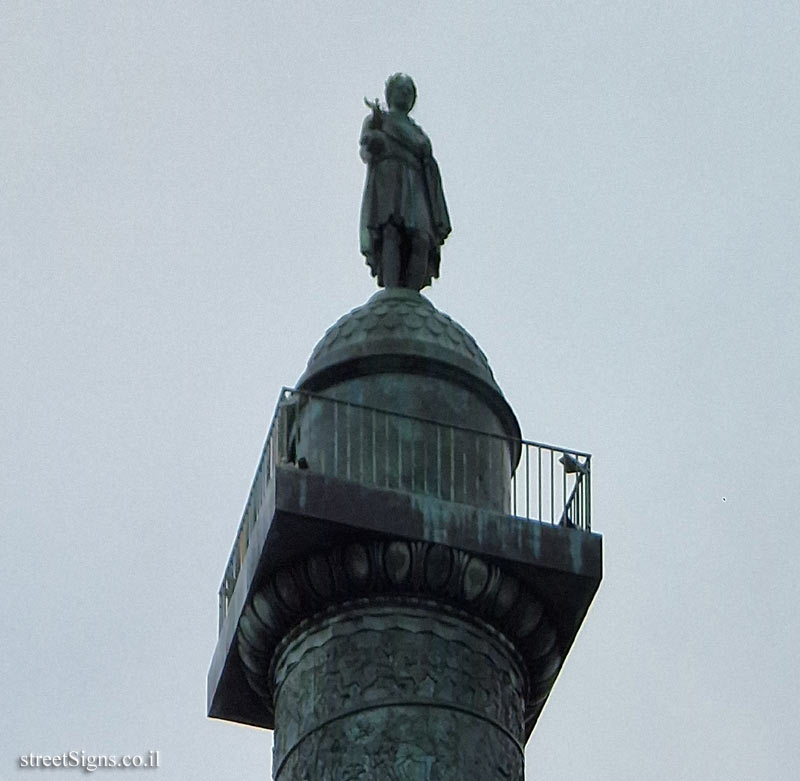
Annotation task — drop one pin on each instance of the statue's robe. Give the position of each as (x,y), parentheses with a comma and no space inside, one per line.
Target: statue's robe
(403,188)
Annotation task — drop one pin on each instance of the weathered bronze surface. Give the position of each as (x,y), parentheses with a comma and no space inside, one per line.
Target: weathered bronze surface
(399,572)
(320,542)
(399,689)
(404,219)
(384,629)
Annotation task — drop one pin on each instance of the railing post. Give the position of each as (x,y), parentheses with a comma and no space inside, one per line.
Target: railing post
(588,494)
(348,448)
(399,455)
(425,463)
(374,452)
(452,467)
(386,449)
(281,428)
(335,440)
(539,482)
(514,492)
(361,445)
(439,462)
(477,469)
(491,459)
(413,444)
(527,484)
(464,474)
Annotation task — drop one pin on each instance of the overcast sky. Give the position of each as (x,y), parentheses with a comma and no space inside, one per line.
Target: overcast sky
(180,186)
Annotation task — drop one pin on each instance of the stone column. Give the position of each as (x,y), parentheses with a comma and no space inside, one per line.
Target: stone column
(396,659)
(385,610)
(398,689)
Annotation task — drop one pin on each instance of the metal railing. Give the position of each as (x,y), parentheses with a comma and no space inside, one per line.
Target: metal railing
(265,473)
(373,447)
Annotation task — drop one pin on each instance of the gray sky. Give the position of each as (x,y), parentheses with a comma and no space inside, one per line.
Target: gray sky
(180,187)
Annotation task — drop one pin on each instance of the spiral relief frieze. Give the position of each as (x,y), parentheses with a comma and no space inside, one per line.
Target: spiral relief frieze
(414,688)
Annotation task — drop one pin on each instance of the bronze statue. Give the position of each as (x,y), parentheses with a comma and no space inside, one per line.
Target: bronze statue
(404,218)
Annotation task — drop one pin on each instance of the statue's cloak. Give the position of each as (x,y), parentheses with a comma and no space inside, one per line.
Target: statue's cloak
(403,188)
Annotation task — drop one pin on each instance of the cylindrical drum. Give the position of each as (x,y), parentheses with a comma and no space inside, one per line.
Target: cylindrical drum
(397,395)
(379,447)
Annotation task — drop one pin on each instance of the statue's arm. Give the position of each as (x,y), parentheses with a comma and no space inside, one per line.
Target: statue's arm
(373,142)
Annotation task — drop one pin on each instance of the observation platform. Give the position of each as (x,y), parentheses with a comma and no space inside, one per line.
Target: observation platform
(333,472)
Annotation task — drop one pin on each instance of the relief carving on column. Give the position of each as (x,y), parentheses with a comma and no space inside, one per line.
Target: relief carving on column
(422,691)
(403,748)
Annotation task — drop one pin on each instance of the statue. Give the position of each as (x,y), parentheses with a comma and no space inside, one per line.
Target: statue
(404,218)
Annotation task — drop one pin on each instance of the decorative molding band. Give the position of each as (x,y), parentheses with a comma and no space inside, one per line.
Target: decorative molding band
(306,590)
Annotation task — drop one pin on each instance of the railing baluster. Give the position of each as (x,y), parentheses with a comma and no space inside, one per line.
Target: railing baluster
(439,462)
(490,471)
(296,423)
(374,452)
(588,495)
(477,468)
(413,443)
(349,452)
(464,474)
(399,455)
(424,462)
(514,493)
(336,440)
(539,483)
(452,467)
(583,503)
(527,483)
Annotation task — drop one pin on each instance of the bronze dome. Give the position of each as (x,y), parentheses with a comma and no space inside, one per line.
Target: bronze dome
(399,330)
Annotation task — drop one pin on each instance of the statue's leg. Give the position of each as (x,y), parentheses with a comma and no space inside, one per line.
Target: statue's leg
(390,256)
(417,262)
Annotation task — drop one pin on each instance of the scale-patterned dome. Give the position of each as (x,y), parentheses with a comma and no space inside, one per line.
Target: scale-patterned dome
(398,323)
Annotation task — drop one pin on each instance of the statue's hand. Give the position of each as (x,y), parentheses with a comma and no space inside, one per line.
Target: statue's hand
(374,142)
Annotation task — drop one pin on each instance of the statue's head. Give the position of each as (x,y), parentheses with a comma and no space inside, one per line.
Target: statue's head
(401,92)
